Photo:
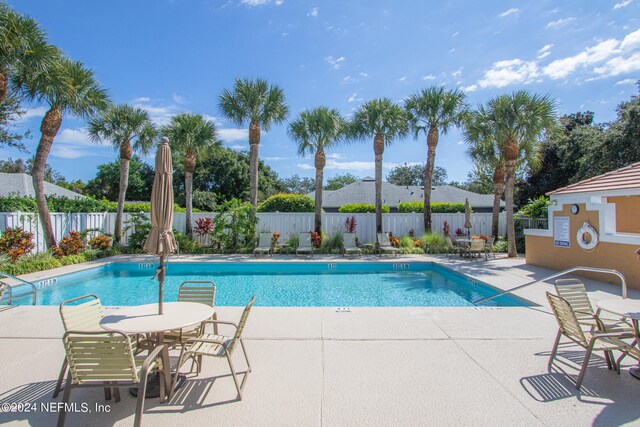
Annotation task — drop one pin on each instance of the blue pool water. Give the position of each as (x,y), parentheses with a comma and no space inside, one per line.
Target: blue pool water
(281,285)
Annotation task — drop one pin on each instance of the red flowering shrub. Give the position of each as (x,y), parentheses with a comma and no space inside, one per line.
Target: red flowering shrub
(204,226)
(446,228)
(69,245)
(459,232)
(100,242)
(316,239)
(350,224)
(16,242)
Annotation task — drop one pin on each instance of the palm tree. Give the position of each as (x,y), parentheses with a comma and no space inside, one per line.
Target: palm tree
(127,129)
(315,131)
(23,47)
(520,119)
(192,136)
(259,104)
(384,121)
(66,87)
(433,111)
(485,152)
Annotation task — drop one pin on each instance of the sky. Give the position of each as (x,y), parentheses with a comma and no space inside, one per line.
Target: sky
(171,56)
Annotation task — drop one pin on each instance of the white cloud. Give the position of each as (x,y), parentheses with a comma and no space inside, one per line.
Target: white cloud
(313,12)
(560,22)
(428,77)
(37,112)
(260,2)
(275,158)
(159,114)
(621,4)
(335,156)
(470,88)
(619,65)
(354,97)
(333,164)
(455,34)
(453,49)
(403,78)
(178,99)
(626,82)
(509,12)
(561,68)
(362,74)
(457,73)
(334,62)
(512,71)
(544,51)
(233,134)
(347,79)
(631,41)
(238,147)
(74,144)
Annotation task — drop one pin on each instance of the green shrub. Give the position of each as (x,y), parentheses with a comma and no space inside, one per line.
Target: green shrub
(361,208)
(331,243)
(413,250)
(91,254)
(436,207)
(287,203)
(186,245)
(31,263)
(72,259)
(501,246)
(64,204)
(235,226)
(140,225)
(434,243)
(407,242)
(535,208)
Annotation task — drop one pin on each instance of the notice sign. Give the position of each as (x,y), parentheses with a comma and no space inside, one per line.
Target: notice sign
(561,231)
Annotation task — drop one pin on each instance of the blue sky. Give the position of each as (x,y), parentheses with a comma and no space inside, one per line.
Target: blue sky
(173,56)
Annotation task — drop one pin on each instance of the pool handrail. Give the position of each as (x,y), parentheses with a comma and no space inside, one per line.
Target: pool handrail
(23,282)
(562,273)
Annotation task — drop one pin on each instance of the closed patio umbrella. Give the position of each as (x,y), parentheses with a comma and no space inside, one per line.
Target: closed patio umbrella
(160,240)
(467,216)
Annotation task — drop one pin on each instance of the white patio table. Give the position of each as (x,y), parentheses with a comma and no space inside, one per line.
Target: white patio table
(625,307)
(144,319)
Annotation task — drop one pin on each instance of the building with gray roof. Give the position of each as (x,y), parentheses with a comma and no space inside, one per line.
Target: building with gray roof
(21,185)
(363,191)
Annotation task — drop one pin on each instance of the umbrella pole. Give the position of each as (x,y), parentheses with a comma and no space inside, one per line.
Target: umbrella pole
(161,283)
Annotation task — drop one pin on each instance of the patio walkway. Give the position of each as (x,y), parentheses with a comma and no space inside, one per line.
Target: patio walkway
(370,366)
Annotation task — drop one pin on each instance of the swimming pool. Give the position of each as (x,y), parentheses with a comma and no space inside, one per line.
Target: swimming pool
(280,285)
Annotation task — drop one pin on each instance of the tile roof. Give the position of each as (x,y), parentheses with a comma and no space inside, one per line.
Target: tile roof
(21,185)
(363,191)
(626,178)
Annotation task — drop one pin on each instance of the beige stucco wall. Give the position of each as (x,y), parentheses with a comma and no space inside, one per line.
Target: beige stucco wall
(627,213)
(621,257)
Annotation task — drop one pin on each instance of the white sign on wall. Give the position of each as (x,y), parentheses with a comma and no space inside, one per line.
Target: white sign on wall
(561,231)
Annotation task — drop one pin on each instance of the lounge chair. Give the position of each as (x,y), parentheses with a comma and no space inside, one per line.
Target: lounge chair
(200,291)
(218,346)
(477,246)
(349,245)
(570,327)
(489,245)
(384,244)
(575,293)
(305,245)
(451,248)
(96,358)
(265,244)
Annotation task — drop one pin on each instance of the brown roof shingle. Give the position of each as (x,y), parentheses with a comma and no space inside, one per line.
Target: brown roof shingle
(625,178)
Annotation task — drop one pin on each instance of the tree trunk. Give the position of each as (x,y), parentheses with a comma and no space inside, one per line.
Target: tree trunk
(4,85)
(378,149)
(498,189)
(49,129)
(432,143)
(321,160)
(189,169)
(254,142)
(126,152)
(510,156)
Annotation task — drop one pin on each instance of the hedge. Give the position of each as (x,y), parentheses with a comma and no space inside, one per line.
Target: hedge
(287,203)
(436,207)
(64,204)
(361,208)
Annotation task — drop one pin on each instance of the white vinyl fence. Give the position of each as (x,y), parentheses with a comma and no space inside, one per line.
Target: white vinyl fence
(284,223)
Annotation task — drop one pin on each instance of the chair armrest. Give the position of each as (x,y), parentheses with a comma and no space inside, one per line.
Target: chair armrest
(153,355)
(221,322)
(204,340)
(594,317)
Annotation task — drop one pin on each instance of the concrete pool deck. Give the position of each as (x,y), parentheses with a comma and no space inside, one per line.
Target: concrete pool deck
(371,366)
